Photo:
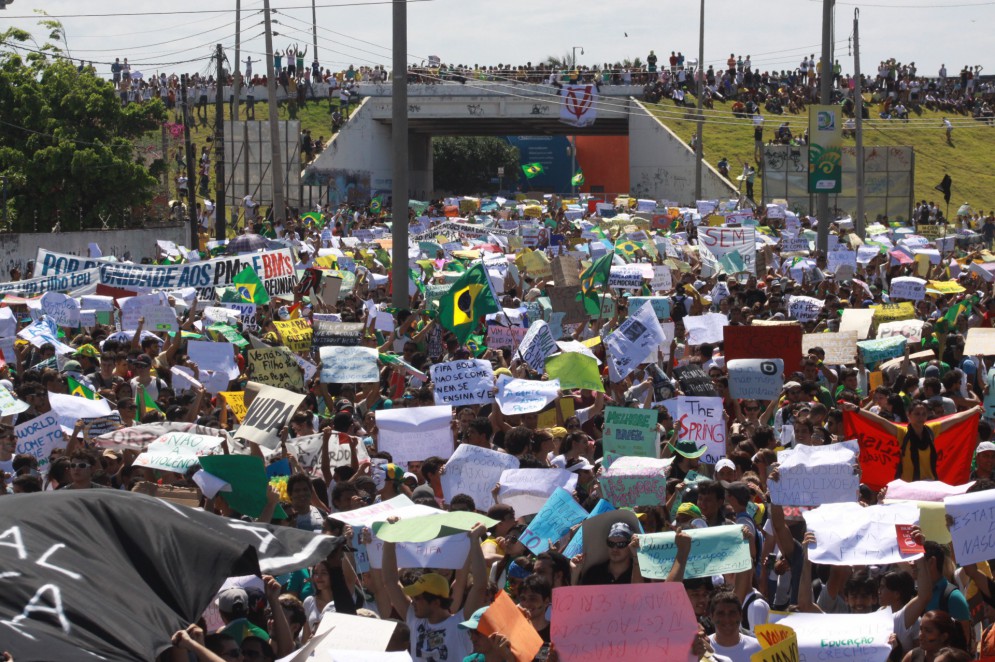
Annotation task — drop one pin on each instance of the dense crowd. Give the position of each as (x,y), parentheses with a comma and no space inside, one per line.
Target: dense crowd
(579,390)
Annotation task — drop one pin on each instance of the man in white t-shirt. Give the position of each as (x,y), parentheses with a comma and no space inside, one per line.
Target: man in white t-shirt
(250,206)
(436,635)
(729,640)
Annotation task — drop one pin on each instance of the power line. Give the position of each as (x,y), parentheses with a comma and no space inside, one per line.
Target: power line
(217,11)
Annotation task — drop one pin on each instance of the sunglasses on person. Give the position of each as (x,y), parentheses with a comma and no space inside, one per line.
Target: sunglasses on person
(618,544)
(80,465)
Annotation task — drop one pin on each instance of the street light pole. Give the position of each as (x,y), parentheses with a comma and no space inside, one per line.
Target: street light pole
(699,148)
(825,98)
(399,146)
(858,110)
(575,55)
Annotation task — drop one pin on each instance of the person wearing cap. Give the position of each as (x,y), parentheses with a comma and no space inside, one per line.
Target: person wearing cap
(689,516)
(984,462)
(436,634)
(622,565)
(686,455)
(493,648)
(725,470)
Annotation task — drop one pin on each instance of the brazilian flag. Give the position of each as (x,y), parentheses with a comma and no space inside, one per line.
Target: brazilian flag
(249,287)
(80,390)
(591,278)
(144,403)
(376,204)
(578,179)
(312,218)
(532,169)
(466,303)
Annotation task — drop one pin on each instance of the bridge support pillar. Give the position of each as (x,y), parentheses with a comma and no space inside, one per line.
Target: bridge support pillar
(420,166)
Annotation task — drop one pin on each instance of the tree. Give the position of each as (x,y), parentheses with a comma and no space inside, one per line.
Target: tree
(467,164)
(65,140)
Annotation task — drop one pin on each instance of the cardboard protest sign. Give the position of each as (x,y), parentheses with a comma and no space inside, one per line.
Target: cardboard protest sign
(270,411)
(851,534)
(525,396)
(695,381)
(700,421)
(854,637)
(61,309)
(804,309)
(907,287)
(980,342)
(349,365)
(503,616)
(38,437)
(153,308)
(971,528)
(553,521)
(235,400)
(466,382)
(499,336)
(858,320)
(625,276)
(588,621)
(327,333)
(275,366)
(295,334)
(633,342)
(527,490)
(415,433)
(911,330)
(758,379)
(177,451)
(814,475)
(840,347)
(214,356)
(629,431)
(635,481)
(764,342)
(714,551)
(873,351)
(705,328)
(537,344)
(474,471)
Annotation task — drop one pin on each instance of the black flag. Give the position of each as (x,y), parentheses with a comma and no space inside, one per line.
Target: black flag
(944,188)
(108,575)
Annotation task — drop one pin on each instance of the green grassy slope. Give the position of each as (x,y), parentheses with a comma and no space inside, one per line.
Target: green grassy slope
(970,162)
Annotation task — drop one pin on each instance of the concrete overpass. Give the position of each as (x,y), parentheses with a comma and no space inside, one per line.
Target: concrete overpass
(357,160)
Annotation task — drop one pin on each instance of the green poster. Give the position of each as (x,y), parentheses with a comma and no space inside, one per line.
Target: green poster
(825,151)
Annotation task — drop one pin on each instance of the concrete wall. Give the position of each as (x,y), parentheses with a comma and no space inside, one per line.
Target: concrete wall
(17,249)
(661,165)
(357,160)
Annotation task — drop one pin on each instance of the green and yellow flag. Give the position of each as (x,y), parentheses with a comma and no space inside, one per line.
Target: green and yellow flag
(81,391)
(591,278)
(578,179)
(466,303)
(532,169)
(249,287)
(143,403)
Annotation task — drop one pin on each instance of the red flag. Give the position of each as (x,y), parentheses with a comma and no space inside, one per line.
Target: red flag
(880,450)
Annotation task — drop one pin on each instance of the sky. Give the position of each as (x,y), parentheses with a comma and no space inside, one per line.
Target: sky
(778,34)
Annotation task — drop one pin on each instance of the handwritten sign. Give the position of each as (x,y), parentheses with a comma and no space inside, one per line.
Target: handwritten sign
(911,330)
(525,396)
(557,516)
(882,349)
(594,623)
(629,431)
(270,410)
(814,475)
(760,379)
(705,328)
(635,481)
(474,471)
(276,366)
(853,637)
(236,401)
(700,421)
(971,530)
(714,551)
(908,287)
(349,365)
(850,534)
(503,336)
(61,309)
(340,334)
(527,490)
(633,342)
(469,382)
(296,334)
(38,437)
(153,308)
(840,348)
(537,344)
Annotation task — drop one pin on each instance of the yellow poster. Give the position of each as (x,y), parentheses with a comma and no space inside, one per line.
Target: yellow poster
(894,312)
(296,334)
(235,400)
(779,644)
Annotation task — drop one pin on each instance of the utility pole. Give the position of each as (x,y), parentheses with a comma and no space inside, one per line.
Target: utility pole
(276,161)
(236,88)
(825,98)
(219,150)
(699,148)
(399,139)
(188,150)
(314,32)
(858,109)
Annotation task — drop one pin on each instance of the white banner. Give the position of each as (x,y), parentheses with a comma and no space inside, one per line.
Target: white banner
(537,344)
(449,552)
(907,287)
(415,433)
(850,534)
(50,263)
(528,490)
(634,342)
(349,365)
(61,309)
(705,328)
(757,379)
(579,107)
(39,437)
(153,308)
(70,408)
(851,637)
(971,529)
(720,241)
